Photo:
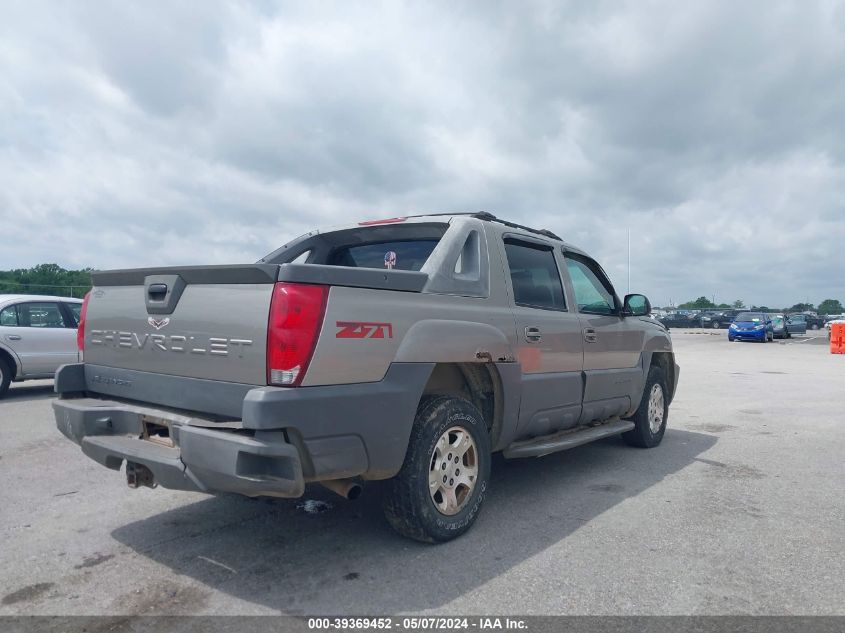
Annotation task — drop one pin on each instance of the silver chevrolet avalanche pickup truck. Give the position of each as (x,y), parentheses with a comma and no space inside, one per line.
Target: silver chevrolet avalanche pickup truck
(407,349)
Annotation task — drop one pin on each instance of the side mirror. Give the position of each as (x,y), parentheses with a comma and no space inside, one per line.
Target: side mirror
(636,305)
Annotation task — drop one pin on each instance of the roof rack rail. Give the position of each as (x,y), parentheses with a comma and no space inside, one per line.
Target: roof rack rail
(489,217)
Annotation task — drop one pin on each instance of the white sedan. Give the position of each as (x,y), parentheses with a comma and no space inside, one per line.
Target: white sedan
(37,335)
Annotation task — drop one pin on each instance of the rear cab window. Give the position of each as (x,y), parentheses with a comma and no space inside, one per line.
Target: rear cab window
(387,247)
(404,255)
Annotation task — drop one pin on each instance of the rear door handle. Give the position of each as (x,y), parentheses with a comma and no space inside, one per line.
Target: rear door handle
(13,337)
(532,334)
(590,335)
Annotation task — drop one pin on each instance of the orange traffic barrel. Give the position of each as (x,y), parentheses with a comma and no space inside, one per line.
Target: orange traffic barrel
(837,338)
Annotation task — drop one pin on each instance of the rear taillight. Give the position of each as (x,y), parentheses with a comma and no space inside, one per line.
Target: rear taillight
(296,316)
(80,328)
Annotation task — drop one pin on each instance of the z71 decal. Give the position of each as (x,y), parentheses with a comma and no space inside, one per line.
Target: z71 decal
(355,329)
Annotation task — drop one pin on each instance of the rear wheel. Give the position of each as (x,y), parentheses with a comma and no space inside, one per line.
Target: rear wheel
(653,412)
(5,377)
(716,325)
(439,491)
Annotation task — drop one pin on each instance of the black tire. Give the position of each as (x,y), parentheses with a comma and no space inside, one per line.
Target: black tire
(408,506)
(5,377)
(642,435)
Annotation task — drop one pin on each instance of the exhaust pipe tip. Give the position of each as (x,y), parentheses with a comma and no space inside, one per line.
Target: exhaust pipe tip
(346,488)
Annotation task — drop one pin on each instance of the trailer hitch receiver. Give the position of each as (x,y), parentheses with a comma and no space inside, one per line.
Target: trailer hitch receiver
(138,475)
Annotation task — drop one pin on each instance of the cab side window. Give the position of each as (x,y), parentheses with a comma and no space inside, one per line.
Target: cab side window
(9,316)
(40,315)
(534,275)
(593,293)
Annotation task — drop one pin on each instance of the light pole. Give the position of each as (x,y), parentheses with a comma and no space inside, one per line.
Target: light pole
(629,260)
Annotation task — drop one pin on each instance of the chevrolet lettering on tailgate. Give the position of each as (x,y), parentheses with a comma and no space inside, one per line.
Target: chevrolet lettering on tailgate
(217,346)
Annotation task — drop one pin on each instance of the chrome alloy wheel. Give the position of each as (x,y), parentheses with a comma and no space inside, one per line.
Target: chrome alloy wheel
(655,408)
(453,470)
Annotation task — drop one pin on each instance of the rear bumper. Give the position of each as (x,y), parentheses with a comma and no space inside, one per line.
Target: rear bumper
(285,437)
(201,459)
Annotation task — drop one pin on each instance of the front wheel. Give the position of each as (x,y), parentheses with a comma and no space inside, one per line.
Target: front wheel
(716,325)
(653,412)
(439,491)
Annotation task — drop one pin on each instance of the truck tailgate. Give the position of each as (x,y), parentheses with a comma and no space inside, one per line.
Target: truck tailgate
(210,323)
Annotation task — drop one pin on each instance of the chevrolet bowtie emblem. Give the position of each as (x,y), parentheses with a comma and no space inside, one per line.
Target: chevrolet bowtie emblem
(158,323)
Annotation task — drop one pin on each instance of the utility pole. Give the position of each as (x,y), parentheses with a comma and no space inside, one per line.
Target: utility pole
(629,260)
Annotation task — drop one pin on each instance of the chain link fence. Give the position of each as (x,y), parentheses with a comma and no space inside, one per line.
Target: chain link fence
(12,287)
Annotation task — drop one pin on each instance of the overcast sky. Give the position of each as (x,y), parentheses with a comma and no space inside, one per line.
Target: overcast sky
(158,133)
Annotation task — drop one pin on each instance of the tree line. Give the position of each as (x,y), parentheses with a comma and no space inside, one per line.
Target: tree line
(828,306)
(46,279)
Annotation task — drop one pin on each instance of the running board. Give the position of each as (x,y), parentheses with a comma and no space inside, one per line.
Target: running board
(562,440)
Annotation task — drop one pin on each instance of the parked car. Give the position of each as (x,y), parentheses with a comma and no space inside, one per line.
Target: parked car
(717,318)
(677,319)
(780,328)
(751,326)
(408,350)
(37,336)
(797,323)
(813,321)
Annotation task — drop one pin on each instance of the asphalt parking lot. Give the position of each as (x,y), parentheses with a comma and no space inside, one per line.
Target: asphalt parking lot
(740,510)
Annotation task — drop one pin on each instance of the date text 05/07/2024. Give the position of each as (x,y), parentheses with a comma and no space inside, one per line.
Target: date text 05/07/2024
(417,623)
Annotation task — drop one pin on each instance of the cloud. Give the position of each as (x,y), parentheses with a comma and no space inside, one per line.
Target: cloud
(202,132)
